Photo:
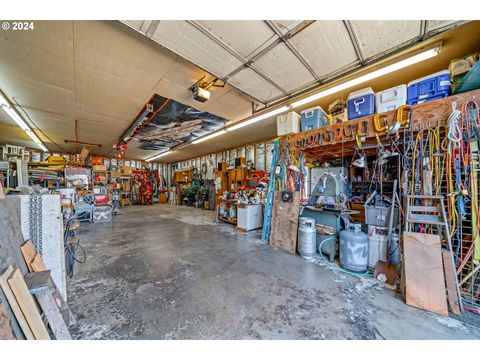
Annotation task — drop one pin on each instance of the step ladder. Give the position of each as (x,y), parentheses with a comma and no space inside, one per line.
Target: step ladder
(433,214)
(267,217)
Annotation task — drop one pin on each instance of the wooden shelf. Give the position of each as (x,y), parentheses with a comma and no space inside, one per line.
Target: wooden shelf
(227,220)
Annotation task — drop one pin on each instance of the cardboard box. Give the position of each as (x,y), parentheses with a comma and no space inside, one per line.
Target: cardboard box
(126,170)
(126,187)
(340,117)
(99,168)
(125,202)
(115,174)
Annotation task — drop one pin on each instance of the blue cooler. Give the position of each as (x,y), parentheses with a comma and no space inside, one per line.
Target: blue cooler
(428,88)
(361,103)
(313,118)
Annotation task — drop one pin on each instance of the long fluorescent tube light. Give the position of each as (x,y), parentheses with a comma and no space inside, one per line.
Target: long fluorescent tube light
(81,143)
(5,104)
(258,118)
(208,137)
(372,75)
(159,155)
(7,107)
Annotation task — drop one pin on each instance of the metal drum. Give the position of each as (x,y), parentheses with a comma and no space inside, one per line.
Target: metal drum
(307,237)
(354,248)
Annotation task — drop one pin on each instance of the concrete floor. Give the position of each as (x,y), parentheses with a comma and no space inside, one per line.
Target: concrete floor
(159,272)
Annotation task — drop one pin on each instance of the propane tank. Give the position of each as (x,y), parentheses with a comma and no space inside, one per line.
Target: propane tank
(394,248)
(354,248)
(307,237)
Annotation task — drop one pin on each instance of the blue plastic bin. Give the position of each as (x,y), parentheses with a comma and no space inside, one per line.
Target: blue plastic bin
(361,103)
(313,118)
(428,88)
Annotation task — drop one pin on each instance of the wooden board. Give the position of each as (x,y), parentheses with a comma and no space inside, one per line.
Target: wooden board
(28,252)
(12,301)
(450,279)
(284,227)
(62,305)
(28,306)
(53,315)
(38,264)
(6,332)
(424,279)
(37,281)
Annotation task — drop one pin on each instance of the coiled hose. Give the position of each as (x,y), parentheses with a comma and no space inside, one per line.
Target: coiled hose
(71,248)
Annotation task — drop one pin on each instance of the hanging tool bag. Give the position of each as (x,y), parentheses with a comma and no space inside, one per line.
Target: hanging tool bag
(378,214)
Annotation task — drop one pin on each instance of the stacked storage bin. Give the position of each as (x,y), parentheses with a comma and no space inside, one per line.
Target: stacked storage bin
(361,103)
(428,88)
(391,99)
(288,123)
(314,118)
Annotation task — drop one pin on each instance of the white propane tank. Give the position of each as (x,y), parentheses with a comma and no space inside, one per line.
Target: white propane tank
(307,237)
(354,248)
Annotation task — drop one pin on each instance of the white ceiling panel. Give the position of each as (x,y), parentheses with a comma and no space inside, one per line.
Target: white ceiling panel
(135,24)
(378,36)
(243,36)
(437,24)
(252,83)
(281,65)
(183,39)
(287,25)
(326,46)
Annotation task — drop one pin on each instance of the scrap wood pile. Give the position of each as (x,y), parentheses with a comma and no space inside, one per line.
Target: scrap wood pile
(34,308)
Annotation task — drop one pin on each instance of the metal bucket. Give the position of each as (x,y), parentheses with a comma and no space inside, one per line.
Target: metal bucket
(307,237)
(377,250)
(354,249)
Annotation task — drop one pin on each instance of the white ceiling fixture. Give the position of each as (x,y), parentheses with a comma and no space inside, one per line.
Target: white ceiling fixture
(370,76)
(15,116)
(258,118)
(208,137)
(159,155)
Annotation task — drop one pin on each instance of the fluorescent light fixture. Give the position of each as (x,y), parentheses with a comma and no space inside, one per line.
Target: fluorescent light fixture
(258,118)
(7,107)
(4,103)
(372,75)
(81,143)
(159,155)
(208,137)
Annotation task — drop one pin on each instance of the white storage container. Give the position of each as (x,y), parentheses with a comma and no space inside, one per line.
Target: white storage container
(250,217)
(391,99)
(378,245)
(288,123)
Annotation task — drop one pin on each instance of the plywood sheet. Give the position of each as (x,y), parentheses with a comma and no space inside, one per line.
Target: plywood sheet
(27,304)
(6,332)
(284,227)
(12,301)
(29,253)
(424,278)
(451,281)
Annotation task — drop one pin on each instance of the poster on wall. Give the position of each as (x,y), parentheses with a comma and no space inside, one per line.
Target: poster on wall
(165,123)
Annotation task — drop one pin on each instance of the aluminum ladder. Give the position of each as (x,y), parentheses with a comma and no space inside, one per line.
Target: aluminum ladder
(267,218)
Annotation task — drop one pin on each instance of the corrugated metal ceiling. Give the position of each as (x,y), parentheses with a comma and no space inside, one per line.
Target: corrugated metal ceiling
(271,60)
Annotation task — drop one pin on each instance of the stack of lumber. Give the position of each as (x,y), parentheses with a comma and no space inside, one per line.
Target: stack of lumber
(30,300)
